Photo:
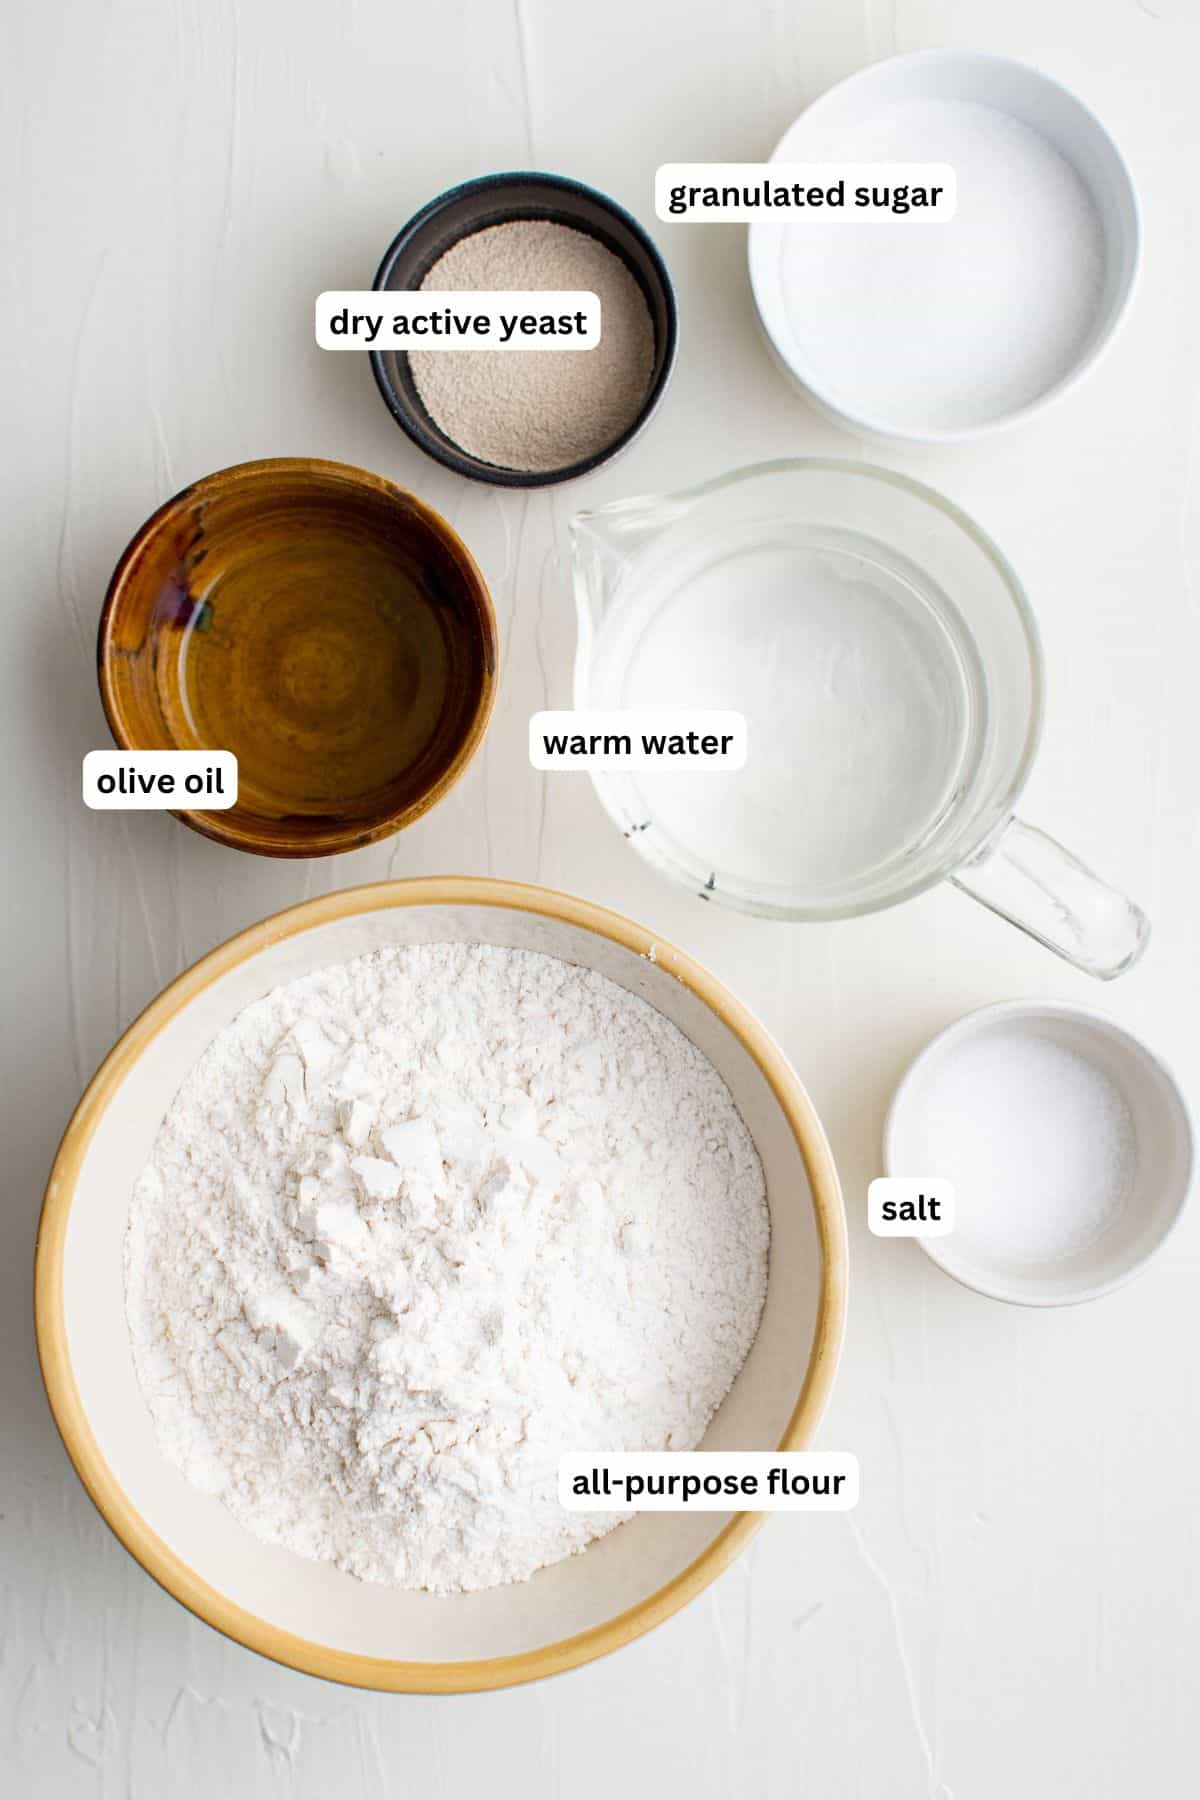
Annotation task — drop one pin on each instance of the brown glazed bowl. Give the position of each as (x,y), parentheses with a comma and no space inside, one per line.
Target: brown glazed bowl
(327,627)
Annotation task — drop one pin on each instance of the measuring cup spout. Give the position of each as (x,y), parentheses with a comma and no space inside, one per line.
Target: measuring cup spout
(1029,879)
(603,544)
(596,563)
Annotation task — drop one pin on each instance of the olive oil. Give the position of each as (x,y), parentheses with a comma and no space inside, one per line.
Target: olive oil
(338,667)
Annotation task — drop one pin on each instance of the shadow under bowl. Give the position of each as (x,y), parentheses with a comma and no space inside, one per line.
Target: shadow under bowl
(328,628)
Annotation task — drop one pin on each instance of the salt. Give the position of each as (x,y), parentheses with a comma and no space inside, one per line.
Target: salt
(1038,1142)
(948,325)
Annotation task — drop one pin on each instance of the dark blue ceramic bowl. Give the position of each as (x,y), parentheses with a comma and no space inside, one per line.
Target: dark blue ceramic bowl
(495,200)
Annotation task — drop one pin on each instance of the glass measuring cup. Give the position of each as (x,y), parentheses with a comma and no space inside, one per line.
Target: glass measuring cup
(888,665)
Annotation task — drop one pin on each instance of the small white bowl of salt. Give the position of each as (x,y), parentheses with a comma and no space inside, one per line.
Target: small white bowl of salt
(1067,1143)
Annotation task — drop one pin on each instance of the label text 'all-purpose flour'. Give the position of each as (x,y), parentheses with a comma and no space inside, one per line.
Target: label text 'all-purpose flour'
(419,1223)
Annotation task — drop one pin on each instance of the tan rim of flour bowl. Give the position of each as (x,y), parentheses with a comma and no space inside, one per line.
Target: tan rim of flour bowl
(310,1615)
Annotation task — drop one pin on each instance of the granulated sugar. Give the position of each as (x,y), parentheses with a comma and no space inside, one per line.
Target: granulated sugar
(1038,1142)
(947,325)
(417,1224)
(536,410)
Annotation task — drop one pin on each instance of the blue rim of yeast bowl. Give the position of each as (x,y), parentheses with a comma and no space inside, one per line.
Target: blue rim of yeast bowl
(411,420)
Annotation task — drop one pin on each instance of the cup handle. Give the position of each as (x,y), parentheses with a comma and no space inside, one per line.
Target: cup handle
(1030,880)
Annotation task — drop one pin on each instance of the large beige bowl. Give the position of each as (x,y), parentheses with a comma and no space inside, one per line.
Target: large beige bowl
(310,1614)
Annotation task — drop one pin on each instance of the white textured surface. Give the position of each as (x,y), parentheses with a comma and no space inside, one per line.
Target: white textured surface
(1012,1608)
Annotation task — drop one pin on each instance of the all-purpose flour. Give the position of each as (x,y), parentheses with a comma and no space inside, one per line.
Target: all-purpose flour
(420,1222)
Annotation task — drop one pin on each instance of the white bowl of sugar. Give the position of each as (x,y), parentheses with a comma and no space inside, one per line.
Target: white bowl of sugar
(1067,1142)
(911,328)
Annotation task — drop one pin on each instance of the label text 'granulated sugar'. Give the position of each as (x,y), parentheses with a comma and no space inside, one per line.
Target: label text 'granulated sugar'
(735,193)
